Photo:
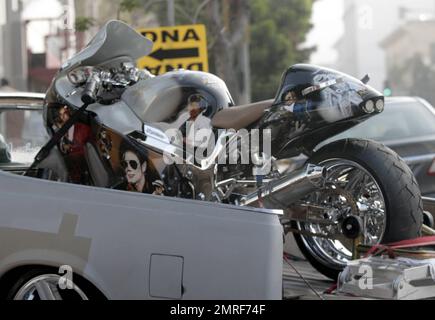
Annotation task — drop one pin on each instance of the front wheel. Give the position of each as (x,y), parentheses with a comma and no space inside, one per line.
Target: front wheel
(365,179)
(44,284)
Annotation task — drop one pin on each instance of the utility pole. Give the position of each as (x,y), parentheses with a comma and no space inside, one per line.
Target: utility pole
(14,45)
(2,23)
(246,94)
(171,12)
(69,28)
(244,56)
(94,10)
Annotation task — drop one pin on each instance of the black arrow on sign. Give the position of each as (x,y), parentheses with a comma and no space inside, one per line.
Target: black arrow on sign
(162,54)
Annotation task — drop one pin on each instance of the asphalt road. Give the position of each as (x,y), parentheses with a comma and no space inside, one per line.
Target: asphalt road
(294,286)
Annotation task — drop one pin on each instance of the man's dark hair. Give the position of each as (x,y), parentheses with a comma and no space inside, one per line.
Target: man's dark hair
(197,98)
(140,153)
(4,82)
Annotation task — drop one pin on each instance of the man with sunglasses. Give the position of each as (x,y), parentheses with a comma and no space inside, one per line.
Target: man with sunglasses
(135,168)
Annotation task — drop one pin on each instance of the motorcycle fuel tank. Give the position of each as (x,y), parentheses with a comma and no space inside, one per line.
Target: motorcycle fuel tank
(163,98)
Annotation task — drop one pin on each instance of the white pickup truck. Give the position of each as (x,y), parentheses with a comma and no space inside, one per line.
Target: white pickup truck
(65,241)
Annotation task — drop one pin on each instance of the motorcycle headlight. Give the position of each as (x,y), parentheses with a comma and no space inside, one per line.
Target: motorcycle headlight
(380,105)
(369,106)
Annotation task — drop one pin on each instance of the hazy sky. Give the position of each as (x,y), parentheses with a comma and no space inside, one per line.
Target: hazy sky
(328,28)
(37,30)
(326,18)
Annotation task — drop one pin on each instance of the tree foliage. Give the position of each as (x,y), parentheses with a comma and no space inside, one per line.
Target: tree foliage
(83,24)
(130,5)
(276,31)
(414,77)
(278,28)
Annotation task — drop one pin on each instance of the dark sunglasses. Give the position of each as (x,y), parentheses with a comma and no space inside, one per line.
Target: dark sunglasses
(133,164)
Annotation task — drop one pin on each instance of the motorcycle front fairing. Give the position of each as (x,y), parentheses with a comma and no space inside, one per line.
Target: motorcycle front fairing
(114,44)
(116,39)
(315,103)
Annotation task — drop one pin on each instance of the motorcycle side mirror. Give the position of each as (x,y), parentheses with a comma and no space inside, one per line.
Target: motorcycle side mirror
(366,79)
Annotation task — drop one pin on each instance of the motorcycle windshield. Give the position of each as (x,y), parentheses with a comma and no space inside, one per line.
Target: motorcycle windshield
(115,39)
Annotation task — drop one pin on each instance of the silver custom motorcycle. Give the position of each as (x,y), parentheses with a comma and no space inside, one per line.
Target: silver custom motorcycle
(115,126)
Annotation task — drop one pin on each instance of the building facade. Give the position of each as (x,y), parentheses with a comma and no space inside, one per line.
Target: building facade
(410,59)
(366,24)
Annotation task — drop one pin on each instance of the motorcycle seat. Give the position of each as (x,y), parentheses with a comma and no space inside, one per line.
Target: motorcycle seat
(240,117)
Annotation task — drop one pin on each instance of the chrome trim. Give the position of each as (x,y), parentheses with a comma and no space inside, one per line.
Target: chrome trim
(252,182)
(428,200)
(321,86)
(290,188)
(158,140)
(30,107)
(336,254)
(28,95)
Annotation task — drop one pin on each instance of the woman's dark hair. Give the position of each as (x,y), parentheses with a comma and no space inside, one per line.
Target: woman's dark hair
(53,112)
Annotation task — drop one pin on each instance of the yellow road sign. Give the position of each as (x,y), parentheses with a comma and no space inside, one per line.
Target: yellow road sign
(179,47)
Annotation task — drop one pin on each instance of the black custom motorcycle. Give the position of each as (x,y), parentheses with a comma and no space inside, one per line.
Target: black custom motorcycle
(110,124)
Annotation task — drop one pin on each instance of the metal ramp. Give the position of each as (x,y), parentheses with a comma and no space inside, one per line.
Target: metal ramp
(385,278)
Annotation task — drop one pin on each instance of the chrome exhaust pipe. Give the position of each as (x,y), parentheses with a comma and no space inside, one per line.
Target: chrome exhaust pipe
(289,189)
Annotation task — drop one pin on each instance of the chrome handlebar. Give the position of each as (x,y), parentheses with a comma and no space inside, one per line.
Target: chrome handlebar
(120,79)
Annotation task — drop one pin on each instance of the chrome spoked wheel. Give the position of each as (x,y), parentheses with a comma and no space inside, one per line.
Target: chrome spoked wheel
(46,287)
(350,190)
(368,185)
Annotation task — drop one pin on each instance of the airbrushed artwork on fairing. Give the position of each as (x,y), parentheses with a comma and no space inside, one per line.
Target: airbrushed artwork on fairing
(338,97)
(314,102)
(129,167)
